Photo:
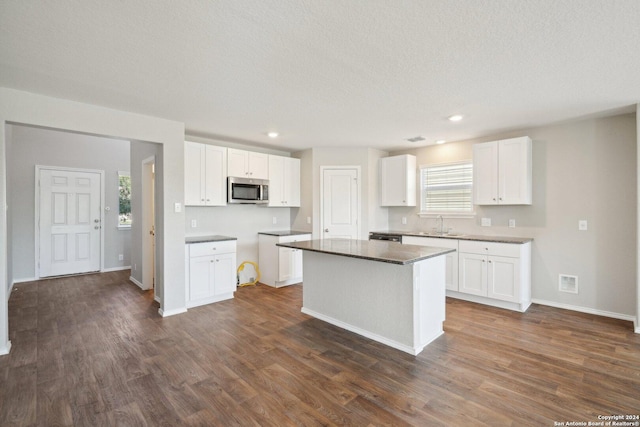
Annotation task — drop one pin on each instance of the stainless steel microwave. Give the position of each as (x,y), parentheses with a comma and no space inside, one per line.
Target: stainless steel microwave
(247,190)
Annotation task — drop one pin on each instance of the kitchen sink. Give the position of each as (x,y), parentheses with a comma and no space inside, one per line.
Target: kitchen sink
(436,234)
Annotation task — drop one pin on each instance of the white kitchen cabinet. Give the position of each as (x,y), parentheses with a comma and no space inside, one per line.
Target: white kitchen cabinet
(398,180)
(247,164)
(284,181)
(280,266)
(502,172)
(211,272)
(451,276)
(205,168)
(498,272)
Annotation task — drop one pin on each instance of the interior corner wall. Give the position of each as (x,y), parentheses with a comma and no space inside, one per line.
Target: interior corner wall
(55,113)
(32,146)
(582,170)
(299,218)
(366,159)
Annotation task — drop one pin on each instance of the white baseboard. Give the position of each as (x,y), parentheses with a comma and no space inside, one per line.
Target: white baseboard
(137,283)
(5,349)
(379,338)
(588,310)
(167,313)
(108,270)
(156,298)
(26,279)
(636,326)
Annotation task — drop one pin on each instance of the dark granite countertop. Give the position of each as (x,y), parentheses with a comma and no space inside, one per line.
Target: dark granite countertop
(374,250)
(283,233)
(475,237)
(205,239)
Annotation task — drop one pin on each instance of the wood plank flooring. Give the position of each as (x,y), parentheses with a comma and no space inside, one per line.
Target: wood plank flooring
(92,350)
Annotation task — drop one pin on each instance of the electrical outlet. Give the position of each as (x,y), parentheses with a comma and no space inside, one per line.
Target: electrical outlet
(404,220)
(120,257)
(308,220)
(135,267)
(177,207)
(275,220)
(512,223)
(194,223)
(485,222)
(582,225)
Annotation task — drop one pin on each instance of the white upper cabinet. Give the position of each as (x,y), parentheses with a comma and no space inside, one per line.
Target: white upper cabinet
(398,180)
(205,169)
(502,172)
(284,181)
(247,164)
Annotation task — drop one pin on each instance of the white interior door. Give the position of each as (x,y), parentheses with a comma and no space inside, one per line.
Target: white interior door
(69,222)
(340,203)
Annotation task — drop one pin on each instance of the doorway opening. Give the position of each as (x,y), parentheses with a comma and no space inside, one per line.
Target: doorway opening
(149,225)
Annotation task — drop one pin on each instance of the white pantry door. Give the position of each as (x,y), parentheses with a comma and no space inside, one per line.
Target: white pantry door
(69,222)
(340,203)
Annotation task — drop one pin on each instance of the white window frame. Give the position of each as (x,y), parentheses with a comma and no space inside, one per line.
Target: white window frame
(122,226)
(447,214)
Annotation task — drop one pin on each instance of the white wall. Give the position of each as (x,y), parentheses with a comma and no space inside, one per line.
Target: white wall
(31,146)
(581,170)
(31,109)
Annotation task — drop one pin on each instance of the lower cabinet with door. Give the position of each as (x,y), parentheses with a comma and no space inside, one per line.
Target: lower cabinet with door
(210,272)
(280,266)
(495,273)
(486,272)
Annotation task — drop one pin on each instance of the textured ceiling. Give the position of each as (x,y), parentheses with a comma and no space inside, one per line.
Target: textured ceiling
(327,72)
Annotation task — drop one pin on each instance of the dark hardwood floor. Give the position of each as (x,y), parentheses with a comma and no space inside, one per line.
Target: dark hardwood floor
(92,350)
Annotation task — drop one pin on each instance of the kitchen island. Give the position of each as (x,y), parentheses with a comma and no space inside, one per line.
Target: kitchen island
(385,291)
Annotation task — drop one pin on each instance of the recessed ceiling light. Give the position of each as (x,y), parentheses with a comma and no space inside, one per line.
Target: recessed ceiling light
(440,141)
(456,117)
(272,134)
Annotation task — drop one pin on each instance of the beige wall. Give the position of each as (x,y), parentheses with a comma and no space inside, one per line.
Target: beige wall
(581,170)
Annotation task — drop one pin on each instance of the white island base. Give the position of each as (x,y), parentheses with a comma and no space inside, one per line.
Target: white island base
(402,306)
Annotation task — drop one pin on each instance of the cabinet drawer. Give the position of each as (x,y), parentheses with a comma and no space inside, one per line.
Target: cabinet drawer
(212,248)
(296,238)
(490,248)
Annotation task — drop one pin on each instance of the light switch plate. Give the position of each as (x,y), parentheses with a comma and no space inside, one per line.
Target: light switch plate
(485,222)
(177,207)
(404,220)
(582,225)
(275,220)
(512,223)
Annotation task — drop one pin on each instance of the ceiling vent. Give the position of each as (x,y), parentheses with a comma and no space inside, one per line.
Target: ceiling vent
(416,139)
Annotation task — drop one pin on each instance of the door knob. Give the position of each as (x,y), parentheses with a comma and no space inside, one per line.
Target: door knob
(96,220)
(96,227)
(326,230)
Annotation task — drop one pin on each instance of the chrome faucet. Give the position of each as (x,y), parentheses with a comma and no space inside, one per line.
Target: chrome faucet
(441,226)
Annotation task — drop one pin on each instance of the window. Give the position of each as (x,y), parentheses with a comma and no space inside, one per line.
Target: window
(446,189)
(124,200)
